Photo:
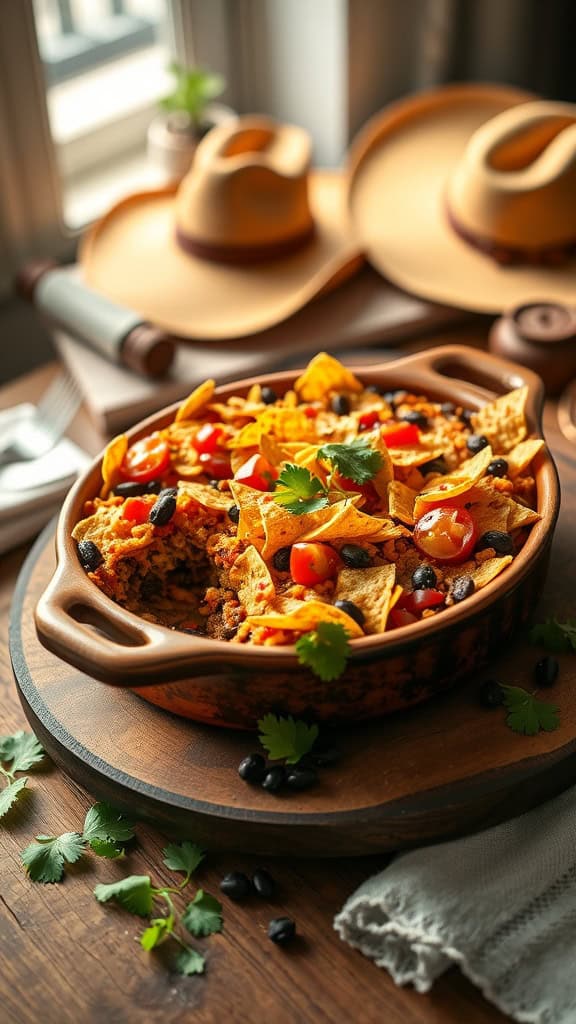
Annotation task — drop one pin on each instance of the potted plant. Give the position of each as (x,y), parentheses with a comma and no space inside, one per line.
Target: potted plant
(187,114)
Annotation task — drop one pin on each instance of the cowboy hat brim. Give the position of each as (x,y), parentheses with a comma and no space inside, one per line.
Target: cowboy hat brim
(399,169)
(133,258)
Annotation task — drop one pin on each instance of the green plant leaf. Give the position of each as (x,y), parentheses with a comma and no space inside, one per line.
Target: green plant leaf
(189,961)
(356,460)
(44,860)
(185,856)
(298,491)
(159,930)
(103,822)
(10,794)
(23,749)
(324,650)
(106,848)
(558,637)
(286,738)
(134,893)
(203,916)
(528,715)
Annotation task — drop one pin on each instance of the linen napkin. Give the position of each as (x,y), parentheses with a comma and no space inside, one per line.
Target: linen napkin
(500,904)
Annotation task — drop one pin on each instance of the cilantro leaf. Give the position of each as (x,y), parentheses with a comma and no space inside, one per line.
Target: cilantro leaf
(106,848)
(10,794)
(159,930)
(184,856)
(203,916)
(134,893)
(23,749)
(286,738)
(324,650)
(356,460)
(189,961)
(528,715)
(104,827)
(298,491)
(44,860)
(555,636)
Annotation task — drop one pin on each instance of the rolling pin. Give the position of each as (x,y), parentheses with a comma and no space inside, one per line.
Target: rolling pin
(118,333)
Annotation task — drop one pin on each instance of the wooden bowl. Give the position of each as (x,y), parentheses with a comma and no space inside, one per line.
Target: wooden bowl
(233,685)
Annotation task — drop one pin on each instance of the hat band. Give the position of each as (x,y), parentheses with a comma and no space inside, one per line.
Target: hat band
(241,253)
(513,255)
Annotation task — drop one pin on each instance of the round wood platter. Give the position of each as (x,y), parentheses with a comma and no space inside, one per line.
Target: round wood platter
(441,769)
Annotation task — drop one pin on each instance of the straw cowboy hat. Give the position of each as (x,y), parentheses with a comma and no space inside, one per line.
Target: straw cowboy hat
(248,237)
(466,195)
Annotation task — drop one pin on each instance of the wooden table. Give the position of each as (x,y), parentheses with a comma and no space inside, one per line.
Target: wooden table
(68,960)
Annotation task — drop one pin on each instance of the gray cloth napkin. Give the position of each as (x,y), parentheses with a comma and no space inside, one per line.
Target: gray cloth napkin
(500,904)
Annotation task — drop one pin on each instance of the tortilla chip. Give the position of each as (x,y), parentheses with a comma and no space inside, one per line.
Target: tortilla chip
(386,472)
(371,590)
(247,437)
(401,502)
(454,483)
(113,456)
(413,455)
(349,522)
(272,451)
(503,421)
(282,528)
(248,501)
(195,401)
(206,496)
(522,454)
(520,515)
(494,510)
(323,375)
(307,617)
(482,573)
(251,578)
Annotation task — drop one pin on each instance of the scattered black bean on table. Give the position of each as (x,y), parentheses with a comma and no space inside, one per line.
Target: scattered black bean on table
(252,768)
(236,885)
(298,778)
(263,884)
(546,671)
(281,930)
(274,779)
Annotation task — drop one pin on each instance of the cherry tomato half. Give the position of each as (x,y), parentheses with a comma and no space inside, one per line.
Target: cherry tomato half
(419,600)
(446,533)
(368,420)
(137,510)
(401,617)
(367,489)
(313,562)
(146,459)
(399,434)
(258,473)
(208,438)
(216,465)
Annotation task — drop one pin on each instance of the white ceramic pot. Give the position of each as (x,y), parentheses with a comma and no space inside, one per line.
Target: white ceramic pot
(171,145)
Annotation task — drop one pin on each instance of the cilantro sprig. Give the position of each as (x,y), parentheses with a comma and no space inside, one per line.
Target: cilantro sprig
(105,832)
(324,650)
(22,751)
(356,461)
(558,637)
(287,738)
(298,491)
(202,916)
(527,714)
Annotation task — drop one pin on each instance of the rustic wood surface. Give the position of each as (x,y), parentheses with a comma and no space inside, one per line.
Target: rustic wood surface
(67,960)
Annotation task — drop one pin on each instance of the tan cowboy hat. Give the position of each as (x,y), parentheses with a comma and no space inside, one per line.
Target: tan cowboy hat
(466,195)
(248,237)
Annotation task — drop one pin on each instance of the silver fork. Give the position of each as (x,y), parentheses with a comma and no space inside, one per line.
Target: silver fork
(33,437)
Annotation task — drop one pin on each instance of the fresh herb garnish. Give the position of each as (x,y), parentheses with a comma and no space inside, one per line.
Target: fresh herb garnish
(24,751)
(324,650)
(134,893)
(558,637)
(528,715)
(356,461)
(105,832)
(203,916)
(298,491)
(184,857)
(286,738)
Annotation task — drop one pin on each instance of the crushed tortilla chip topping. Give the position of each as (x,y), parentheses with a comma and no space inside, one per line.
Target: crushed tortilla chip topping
(203,542)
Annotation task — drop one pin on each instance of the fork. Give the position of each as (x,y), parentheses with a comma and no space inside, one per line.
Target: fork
(36,436)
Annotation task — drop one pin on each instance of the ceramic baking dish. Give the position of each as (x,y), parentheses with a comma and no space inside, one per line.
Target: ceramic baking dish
(232,684)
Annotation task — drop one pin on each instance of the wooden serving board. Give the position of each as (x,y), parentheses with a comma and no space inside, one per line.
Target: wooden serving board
(443,768)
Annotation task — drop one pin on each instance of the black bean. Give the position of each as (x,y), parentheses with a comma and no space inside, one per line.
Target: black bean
(476,442)
(498,467)
(462,587)
(340,404)
(281,930)
(281,559)
(268,395)
(164,508)
(546,671)
(252,768)
(236,885)
(215,484)
(466,416)
(352,610)
(423,577)
(355,557)
(234,513)
(491,694)
(416,417)
(263,883)
(90,555)
(447,408)
(129,489)
(434,466)
(497,539)
(298,778)
(396,397)
(274,779)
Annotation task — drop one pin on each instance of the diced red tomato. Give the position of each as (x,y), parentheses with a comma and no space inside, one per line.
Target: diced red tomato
(257,472)
(401,617)
(208,438)
(400,434)
(313,562)
(137,510)
(367,489)
(446,533)
(310,412)
(419,600)
(216,465)
(368,420)
(146,459)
